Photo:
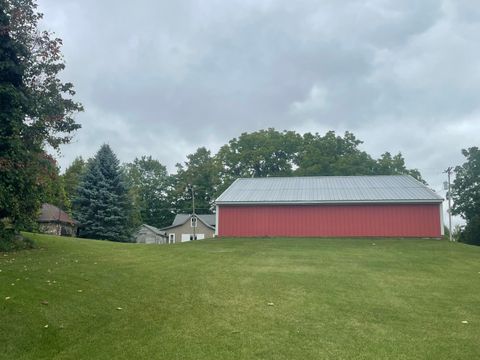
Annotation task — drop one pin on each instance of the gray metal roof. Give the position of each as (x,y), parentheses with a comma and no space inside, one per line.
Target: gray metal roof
(154,230)
(180,219)
(328,189)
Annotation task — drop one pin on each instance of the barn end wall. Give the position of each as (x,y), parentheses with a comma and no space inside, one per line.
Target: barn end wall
(365,220)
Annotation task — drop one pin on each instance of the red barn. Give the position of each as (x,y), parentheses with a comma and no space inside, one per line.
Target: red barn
(329,206)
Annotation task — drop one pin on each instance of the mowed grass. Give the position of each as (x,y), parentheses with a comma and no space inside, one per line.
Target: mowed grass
(332,298)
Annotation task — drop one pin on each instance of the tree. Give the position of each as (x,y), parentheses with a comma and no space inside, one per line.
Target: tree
(466,195)
(102,205)
(71,178)
(202,171)
(261,153)
(332,155)
(53,184)
(36,109)
(50,117)
(149,184)
(388,165)
(19,190)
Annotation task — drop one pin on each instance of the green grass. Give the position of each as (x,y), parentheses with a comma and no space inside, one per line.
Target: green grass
(338,299)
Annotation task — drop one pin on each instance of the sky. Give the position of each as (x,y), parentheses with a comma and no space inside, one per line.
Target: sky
(163,78)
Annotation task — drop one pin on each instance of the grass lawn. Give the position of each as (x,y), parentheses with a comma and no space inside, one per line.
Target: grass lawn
(338,299)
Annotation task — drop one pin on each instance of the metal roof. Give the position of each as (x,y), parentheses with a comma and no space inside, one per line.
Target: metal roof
(154,230)
(180,219)
(328,189)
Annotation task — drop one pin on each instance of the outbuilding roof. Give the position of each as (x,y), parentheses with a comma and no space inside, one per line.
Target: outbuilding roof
(180,219)
(52,213)
(154,230)
(328,189)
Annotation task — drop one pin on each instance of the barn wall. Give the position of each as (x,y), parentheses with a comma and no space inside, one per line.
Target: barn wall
(382,220)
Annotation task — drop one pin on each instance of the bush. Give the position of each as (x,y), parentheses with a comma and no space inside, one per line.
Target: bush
(471,232)
(11,241)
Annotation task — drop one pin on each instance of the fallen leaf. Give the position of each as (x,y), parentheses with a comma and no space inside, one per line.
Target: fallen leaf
(7,298)
(44,302)
(79,291)
(46,326)
(119,308)
(13,284)
(270,304)
(464,322)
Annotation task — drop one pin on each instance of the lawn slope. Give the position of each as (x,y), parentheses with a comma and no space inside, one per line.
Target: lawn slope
(241,299)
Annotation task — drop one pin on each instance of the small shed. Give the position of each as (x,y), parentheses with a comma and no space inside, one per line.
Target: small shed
(147,234)
(55,221)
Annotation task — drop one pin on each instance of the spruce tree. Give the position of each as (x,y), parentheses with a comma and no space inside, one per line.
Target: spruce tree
(102,205)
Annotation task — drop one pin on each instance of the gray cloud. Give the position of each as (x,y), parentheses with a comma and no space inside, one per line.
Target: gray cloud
(163,78)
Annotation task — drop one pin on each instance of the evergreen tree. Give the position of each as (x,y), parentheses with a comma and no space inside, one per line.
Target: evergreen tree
(102,204)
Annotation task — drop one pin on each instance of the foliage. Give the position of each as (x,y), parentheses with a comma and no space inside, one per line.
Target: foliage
(259,154)
(51,107)
(395,165)
(466,195)
(149,183)
(71,178)
(203,172)
(53,184)
(332,155)
(36,109)
(19,160)
(102,206)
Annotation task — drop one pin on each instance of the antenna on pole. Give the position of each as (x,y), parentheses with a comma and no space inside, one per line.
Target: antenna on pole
(447,186)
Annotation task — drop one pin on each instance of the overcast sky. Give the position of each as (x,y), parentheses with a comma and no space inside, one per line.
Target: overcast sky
(162,78)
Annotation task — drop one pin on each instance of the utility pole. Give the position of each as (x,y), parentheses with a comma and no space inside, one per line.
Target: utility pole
(448,171)
(193,213)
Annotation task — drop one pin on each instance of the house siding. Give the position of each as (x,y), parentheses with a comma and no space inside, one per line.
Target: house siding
(365,220)
(146,236)
(186,228)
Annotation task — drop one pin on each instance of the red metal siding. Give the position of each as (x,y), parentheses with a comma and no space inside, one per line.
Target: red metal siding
(382,220)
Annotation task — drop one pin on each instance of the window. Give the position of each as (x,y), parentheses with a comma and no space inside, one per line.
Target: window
(171,238)
(193,221)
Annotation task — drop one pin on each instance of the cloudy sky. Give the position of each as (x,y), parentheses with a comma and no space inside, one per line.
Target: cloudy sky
(162,78)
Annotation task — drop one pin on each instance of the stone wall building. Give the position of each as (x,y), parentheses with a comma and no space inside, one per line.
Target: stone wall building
(55,221)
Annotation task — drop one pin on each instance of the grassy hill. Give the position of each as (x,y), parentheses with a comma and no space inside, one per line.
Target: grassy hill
(241,299)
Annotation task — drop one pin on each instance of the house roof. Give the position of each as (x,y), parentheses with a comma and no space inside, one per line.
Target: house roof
(180,219)
(154,230)
(328,189)
(52,213)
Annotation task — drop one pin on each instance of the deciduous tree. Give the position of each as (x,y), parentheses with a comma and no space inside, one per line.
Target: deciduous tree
(202,171)
(149,185)
(466,195)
